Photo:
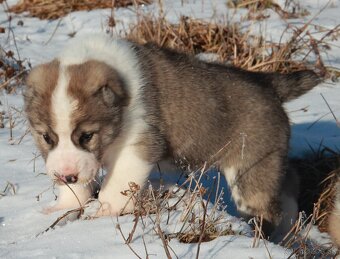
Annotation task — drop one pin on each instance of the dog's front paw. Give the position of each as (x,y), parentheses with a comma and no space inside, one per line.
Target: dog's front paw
(114,205)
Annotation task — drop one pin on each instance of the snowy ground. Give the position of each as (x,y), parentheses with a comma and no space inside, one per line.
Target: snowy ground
(20,217)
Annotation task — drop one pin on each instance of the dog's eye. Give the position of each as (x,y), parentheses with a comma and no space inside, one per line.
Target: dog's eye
(47,138)
(85,138)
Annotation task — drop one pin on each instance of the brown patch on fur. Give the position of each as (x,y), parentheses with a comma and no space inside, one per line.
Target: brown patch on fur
(41,83)
(101,95)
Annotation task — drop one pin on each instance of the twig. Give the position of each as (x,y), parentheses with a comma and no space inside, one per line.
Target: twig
(126,241)
(54,31)
(165,243)
(75,195)
(59,219)
(134,227)
(203,225)
(3,85)
(330,109)
(317,120)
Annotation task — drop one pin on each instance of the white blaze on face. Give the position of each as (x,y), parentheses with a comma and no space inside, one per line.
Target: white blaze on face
(66,159)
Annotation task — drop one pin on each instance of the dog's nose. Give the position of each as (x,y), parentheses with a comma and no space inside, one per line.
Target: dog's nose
(71,178)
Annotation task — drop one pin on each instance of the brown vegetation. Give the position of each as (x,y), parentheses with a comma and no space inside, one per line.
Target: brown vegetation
(54,9)
(232,45)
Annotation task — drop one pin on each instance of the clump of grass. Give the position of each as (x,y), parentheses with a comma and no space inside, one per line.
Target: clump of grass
(12,67)
(54,9)
(233,45)
(318,174)
(292,9)
(299,243)
(12,70)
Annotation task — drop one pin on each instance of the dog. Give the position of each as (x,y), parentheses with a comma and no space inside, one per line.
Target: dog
(113,103)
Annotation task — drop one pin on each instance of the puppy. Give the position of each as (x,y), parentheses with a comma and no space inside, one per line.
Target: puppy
(113,103)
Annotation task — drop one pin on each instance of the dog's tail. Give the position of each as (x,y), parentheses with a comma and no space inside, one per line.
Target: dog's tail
(334,218)
(292,85)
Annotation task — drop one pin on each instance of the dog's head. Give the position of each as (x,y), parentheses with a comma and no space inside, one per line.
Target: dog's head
(75,112)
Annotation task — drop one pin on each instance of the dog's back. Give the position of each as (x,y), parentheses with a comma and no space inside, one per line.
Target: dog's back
(192,100)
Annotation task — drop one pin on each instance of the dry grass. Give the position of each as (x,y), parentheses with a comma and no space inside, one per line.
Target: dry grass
(12,71)
(318,176)
(297,240)
(199,220)
(234,46)
(12,67)
(319,173)
(54,9)
(292,9)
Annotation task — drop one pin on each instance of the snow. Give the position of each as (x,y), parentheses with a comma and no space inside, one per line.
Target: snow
(21,219)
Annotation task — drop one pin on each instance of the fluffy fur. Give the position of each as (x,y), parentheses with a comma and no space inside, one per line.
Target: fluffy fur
(125,106)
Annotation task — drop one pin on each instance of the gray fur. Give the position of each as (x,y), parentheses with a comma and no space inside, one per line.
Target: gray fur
(210,113)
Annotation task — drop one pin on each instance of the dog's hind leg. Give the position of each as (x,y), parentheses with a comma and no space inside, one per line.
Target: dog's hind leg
(257,191)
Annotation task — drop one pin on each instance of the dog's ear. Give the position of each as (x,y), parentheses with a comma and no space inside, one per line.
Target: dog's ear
(109,97)
(114,92)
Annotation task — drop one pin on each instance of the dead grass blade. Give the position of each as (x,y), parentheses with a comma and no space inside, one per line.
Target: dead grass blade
(330,109)
(59,219)
(126,241)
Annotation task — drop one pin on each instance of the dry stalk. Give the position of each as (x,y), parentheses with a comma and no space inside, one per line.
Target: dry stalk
(11,123)
(64,216)
(81,208)
(203,224)
(27,131)
(157,223)
(126,241)
(258,234)
(330,109)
